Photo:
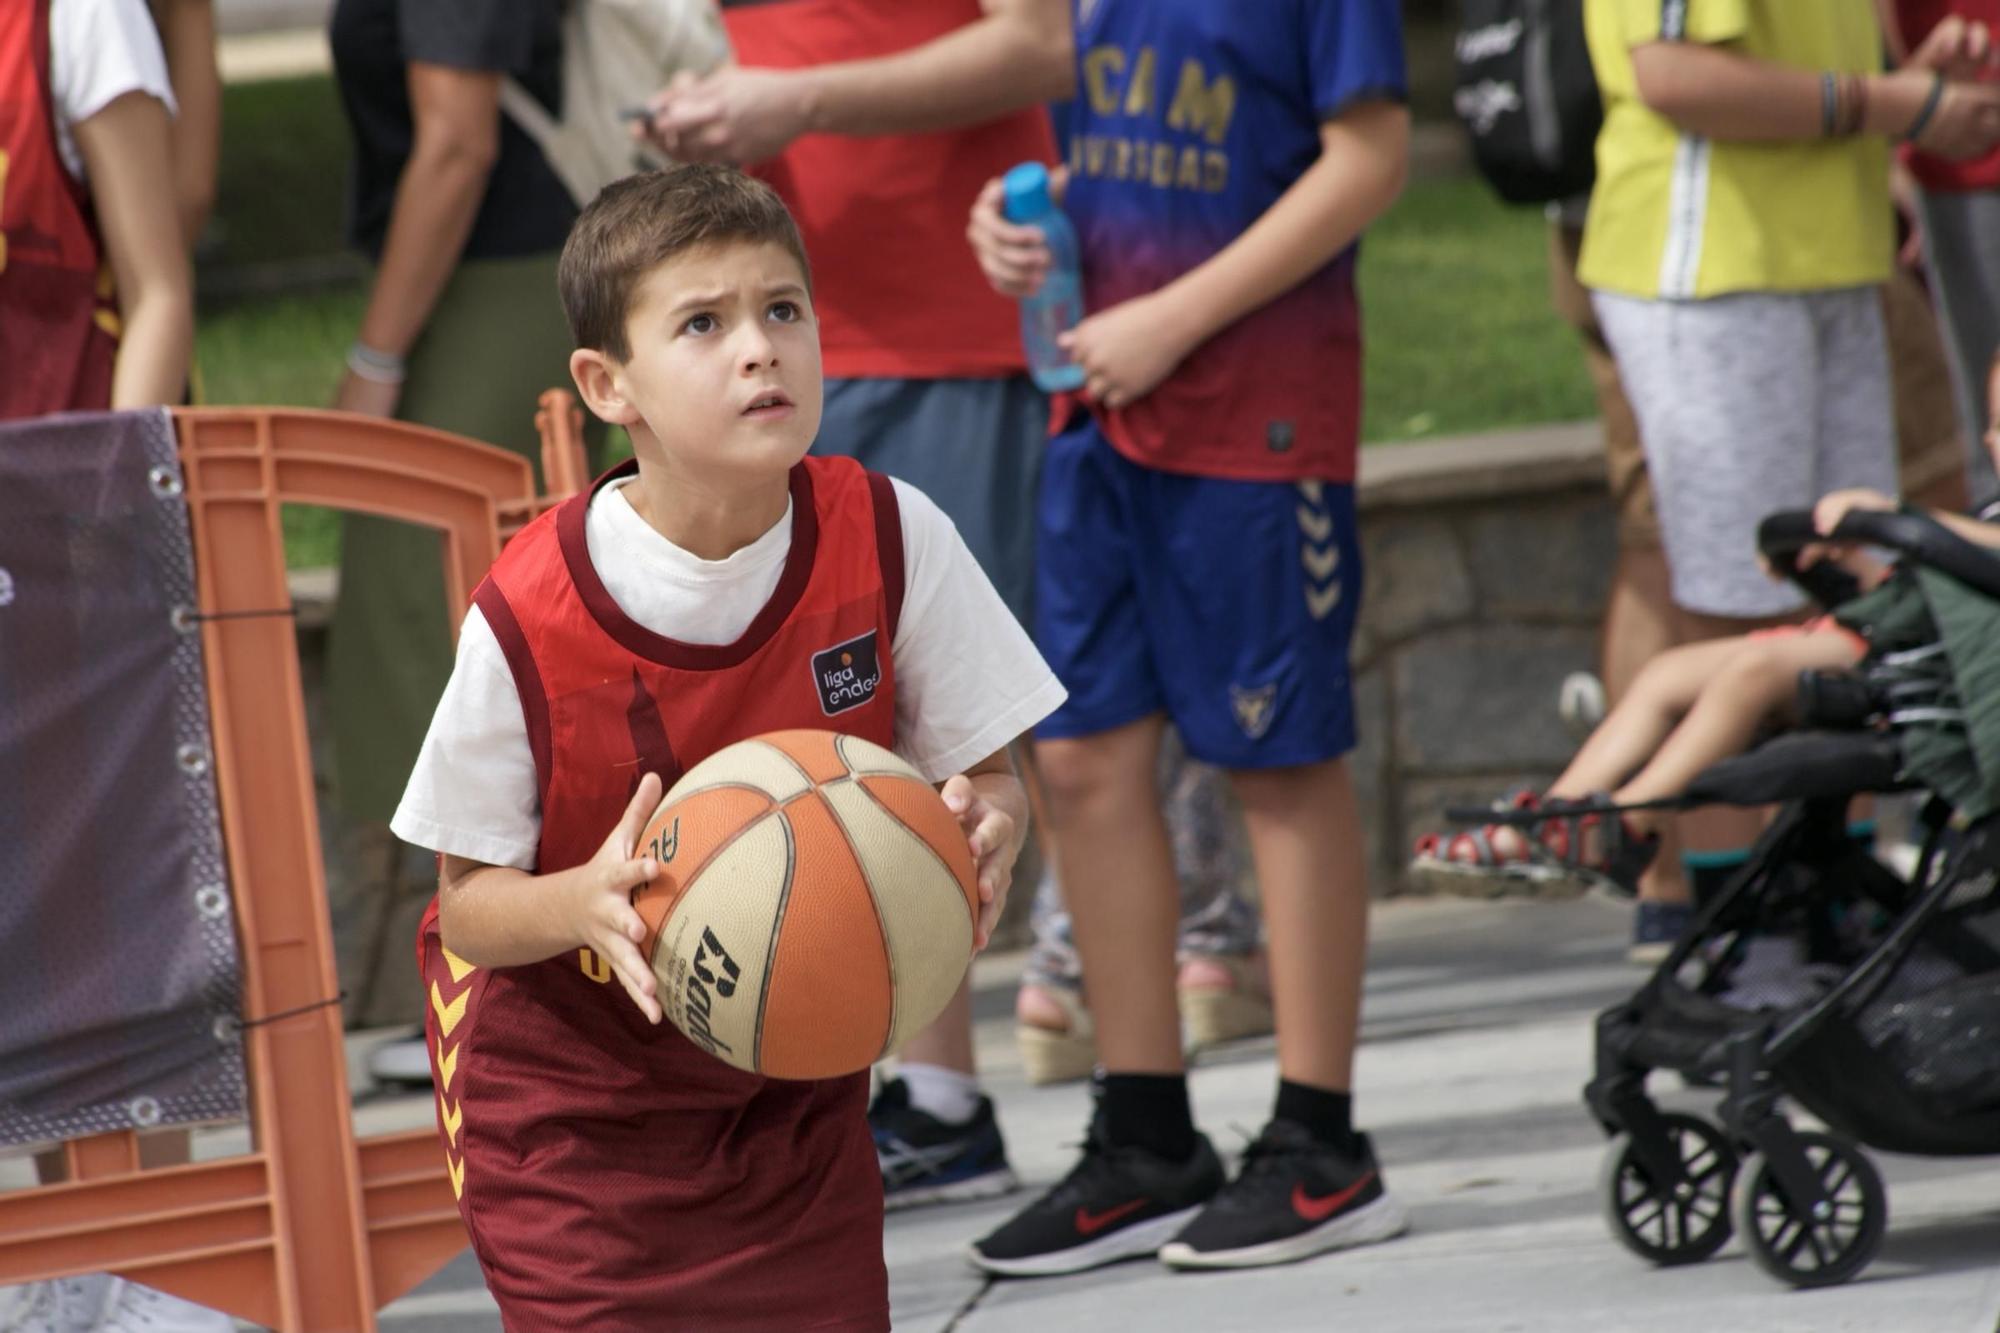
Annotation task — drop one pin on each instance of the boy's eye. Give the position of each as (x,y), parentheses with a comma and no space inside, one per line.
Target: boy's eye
(699,324)
(785,312)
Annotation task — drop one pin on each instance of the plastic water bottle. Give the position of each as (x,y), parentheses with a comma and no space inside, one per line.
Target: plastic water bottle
(1057,305)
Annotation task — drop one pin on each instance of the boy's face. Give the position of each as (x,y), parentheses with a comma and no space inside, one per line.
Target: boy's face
(724,370)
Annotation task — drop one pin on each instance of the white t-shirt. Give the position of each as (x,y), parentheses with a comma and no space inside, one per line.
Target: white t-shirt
(99,50)
(968,680)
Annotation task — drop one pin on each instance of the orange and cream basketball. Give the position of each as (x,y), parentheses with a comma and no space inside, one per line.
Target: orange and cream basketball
(814,907)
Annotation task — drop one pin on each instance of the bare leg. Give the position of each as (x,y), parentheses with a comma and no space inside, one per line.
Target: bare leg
(1756,686)
(1118,878)
(1666,688)
(1639,625)
(1721,828)
(947,1042)
(1305,836)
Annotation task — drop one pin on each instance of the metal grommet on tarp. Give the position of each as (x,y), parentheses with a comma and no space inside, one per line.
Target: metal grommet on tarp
(94,518)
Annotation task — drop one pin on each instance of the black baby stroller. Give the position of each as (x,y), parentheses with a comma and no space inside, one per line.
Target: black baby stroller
(1817,973)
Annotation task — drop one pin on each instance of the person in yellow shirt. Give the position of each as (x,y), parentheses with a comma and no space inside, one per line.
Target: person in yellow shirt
(1738,233)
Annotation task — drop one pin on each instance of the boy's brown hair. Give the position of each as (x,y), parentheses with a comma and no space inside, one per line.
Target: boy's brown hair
(639,223)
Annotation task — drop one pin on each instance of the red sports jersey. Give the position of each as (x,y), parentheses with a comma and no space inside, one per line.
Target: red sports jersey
(896,288)
(1942,174)
(614,1176)
(58,325)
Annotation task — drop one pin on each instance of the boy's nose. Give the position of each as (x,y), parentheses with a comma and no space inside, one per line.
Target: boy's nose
(757,350)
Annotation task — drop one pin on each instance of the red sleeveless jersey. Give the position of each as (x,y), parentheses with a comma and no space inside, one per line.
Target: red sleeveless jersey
(58,325)
(614,1176)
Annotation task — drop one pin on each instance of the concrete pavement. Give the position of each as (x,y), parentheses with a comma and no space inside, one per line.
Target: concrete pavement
(1476,1045)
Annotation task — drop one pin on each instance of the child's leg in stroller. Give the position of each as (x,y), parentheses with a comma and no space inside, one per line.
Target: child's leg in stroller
(1665,689)
(1754,687)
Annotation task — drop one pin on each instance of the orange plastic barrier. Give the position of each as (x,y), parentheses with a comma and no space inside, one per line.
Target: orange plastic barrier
(313,1229)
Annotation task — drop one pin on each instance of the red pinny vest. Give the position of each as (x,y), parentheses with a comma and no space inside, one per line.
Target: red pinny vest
(612,1174)
(58,324)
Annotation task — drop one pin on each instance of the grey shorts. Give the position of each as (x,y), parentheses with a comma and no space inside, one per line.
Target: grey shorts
(973,445)
(1746,404)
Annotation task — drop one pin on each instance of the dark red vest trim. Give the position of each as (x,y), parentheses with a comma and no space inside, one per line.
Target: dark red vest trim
(889,546)
(492,604)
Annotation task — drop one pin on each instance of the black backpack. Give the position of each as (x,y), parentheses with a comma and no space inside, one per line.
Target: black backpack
(1525,93)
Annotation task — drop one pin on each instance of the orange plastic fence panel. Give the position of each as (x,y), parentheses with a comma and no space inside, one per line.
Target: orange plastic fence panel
(312,1230)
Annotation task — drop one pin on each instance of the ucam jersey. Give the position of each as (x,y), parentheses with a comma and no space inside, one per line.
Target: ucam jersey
(1192,117)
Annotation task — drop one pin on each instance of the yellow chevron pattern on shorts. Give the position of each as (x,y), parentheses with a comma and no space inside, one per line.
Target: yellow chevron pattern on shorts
(448,1015)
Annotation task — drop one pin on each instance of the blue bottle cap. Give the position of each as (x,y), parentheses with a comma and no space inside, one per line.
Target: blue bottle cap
(1026,192)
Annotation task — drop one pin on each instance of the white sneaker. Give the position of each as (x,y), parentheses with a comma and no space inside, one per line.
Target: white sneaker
(405,1062)
(59,1305)
(137,1309)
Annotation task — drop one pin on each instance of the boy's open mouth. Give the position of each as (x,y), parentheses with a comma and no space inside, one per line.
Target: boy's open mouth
(771,402)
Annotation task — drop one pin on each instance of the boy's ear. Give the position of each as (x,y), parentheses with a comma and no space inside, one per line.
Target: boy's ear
(598,382)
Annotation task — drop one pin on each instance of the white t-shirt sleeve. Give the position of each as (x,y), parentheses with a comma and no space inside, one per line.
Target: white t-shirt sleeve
(473,792)
(968,679)
(99,50)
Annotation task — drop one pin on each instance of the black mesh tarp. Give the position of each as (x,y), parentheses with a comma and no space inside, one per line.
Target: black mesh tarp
(118,963)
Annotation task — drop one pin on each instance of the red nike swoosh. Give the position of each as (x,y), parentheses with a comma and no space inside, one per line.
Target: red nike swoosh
(1089,1223)
(1318,1210)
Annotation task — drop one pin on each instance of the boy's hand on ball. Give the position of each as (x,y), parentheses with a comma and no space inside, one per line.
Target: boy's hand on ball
(995,841)
(607,921)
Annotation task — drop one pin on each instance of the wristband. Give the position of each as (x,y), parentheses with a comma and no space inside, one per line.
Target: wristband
(1859,116)
(1829,104)
(1927,110)
(376,367)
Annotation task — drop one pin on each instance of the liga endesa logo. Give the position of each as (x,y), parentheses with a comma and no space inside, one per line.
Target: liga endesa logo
(847,674)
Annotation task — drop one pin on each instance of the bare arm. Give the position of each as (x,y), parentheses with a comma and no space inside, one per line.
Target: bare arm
(1128,349)
(187,34)
(1016,54)
(1722,94)
(496,916)
(457,115)
(128,158)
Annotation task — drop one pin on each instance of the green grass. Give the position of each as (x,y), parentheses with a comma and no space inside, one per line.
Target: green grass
(1459,334)
(281,188)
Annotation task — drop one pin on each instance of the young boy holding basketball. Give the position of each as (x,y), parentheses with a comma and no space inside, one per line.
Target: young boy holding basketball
(612,1175)
(1199,561)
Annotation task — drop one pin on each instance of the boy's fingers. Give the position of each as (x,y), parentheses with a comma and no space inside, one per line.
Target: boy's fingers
(645,799)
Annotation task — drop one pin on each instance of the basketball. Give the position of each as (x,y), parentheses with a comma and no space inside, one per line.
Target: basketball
(814,907)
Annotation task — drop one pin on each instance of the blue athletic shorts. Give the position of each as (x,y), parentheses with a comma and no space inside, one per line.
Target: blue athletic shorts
(1227,605)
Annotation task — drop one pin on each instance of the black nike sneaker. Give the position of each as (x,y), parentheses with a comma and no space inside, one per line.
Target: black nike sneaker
(1116,1203)
(928,1160)
(1294,1197)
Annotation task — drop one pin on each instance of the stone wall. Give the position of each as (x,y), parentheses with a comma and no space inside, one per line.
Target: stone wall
(1487,560)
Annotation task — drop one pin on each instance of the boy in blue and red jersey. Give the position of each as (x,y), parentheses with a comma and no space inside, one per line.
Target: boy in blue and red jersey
(1199,562)
(612,1175)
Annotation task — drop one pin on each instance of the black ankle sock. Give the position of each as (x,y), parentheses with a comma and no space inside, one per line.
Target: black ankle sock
(1149,1111)
(1328,1116)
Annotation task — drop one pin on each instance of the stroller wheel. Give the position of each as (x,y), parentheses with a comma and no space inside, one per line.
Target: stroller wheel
(1682,1224)
(1821,1250)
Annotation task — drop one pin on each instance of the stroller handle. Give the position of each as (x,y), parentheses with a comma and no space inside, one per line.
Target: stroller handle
(1914,536)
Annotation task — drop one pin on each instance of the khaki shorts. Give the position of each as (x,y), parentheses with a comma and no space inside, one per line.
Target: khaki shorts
(1624,461)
